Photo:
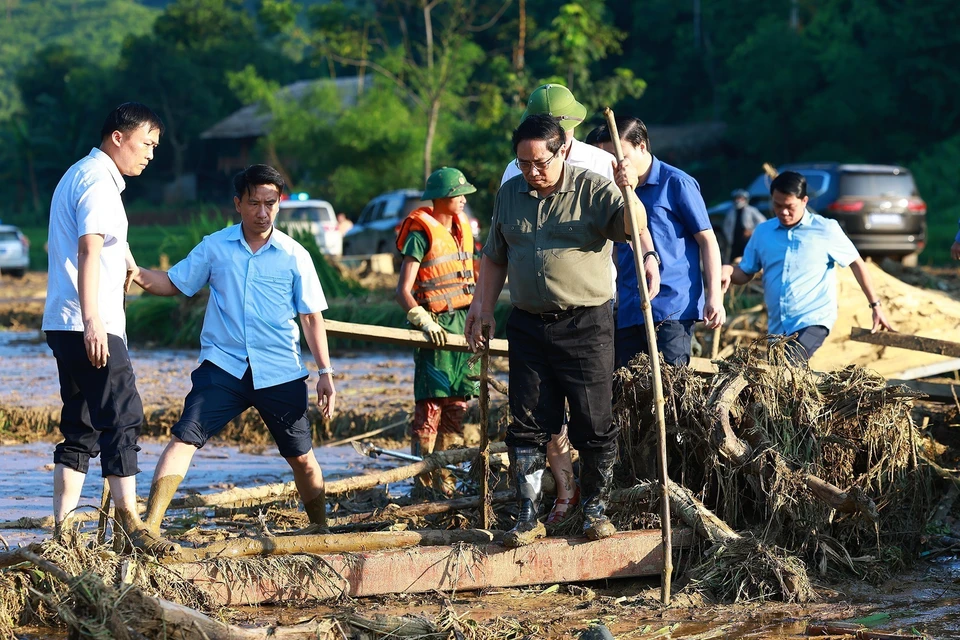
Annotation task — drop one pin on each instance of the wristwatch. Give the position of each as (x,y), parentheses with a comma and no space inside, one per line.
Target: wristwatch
(654,254)
(875,305)
(326,370)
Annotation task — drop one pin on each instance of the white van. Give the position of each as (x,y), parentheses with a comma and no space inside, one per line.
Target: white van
(315,217)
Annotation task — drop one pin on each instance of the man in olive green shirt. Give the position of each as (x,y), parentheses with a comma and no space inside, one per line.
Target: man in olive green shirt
(551,233)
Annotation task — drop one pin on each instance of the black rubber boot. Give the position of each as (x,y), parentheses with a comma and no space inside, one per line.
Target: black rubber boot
(596,483)
(527,465)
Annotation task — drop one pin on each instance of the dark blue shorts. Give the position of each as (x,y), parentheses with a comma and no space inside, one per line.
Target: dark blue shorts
(102,412)
(674,338)
(807,341)
(217,398)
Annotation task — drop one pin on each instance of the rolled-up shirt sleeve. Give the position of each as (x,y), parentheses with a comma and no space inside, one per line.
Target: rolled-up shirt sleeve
(750,262)
(607,201)
(99,210)
(190,274)
(690,206)
(841,249)
(307,291)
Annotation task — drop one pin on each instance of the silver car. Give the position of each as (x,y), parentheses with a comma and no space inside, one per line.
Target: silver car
(14,251)
(379,223)
(315,217)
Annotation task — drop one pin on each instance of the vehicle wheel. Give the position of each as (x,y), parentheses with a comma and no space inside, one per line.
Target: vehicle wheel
(911,259)
(382,247)
(16,273)
(346,250)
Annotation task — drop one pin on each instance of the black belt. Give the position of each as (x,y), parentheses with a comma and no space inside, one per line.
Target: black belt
(556,316)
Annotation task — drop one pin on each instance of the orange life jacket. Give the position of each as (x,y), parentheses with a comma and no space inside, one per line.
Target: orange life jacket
(446,279)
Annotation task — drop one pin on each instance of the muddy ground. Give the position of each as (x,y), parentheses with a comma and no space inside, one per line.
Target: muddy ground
(375,389)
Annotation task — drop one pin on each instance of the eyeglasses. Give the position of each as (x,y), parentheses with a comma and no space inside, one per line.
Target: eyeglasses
(541,165)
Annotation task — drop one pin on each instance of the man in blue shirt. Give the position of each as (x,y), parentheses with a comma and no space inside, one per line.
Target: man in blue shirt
(797,253)
(685,243)
(260,280)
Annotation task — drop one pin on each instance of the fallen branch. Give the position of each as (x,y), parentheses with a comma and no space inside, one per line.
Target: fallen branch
(333,543)
(418,510)
(366,434)
(852,501)
(706,523)
(723,398)
(280,490)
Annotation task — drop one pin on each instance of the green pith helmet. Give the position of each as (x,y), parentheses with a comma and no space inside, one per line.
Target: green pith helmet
(555,100)
(447,182)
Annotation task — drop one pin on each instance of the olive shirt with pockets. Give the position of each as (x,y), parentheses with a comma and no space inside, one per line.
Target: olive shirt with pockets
(250,319)
(557,248)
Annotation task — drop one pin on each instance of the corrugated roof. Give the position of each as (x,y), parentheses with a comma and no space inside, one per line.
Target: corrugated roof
(250,122)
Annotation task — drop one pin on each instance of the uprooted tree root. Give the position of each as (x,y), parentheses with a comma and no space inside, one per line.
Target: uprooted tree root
(818,471)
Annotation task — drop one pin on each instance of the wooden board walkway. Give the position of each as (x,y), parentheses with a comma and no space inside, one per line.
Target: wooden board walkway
(251,581)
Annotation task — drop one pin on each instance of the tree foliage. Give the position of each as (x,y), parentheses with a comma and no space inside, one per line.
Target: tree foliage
(446,80)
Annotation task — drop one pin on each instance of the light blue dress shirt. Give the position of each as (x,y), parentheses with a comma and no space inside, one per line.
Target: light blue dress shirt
(799,281)
(254,301)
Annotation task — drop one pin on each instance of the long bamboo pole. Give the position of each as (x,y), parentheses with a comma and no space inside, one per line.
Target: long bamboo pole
(659,402)
(486,504)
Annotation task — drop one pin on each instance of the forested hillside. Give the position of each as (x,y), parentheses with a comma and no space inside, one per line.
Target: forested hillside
(791,80)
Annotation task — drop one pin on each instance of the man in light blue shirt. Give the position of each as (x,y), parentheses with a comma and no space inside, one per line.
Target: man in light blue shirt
(260,281)
(797,252)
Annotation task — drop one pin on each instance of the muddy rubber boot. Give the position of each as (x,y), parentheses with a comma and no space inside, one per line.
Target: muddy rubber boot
(596,483)
(443,480)
(527,465)
(67,532)
(161,494)
(421,445)
(316,510)
(130,530)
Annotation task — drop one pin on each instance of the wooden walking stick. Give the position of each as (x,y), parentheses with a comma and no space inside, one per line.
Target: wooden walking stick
(659,402)
(486,502)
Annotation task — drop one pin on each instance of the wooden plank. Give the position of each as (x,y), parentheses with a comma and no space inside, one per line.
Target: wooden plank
(404,337)
(904,341)
(935,369)
(427,569)
(455,342)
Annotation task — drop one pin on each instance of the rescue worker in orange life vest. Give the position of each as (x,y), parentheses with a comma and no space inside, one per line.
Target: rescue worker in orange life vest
(437,280)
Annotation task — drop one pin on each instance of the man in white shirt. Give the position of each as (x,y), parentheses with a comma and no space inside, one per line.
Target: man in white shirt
(85,324)
(558,101)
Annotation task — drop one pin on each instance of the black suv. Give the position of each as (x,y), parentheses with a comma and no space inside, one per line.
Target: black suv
(877,205)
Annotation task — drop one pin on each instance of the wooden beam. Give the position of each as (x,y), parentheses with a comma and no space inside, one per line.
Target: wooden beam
(455,342)
(404,337)
(904,341)
(427,569)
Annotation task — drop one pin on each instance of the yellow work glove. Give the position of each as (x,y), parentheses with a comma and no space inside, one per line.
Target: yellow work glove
(423,320)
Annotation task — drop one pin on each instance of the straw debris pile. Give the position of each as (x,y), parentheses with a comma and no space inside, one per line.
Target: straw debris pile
(818,473)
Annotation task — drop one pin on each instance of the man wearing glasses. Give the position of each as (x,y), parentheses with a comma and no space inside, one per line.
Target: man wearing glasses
(558,101)
(551,233)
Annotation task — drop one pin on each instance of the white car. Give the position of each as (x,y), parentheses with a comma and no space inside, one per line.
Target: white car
(14,251)
(315,217)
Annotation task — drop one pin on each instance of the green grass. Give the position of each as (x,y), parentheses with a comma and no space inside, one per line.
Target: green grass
(144,242)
